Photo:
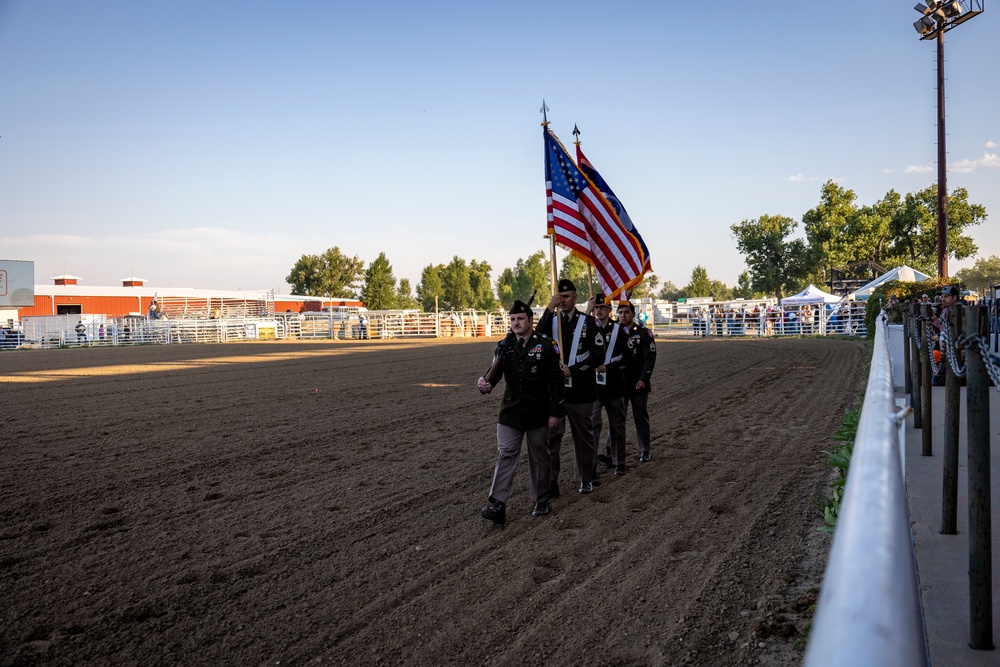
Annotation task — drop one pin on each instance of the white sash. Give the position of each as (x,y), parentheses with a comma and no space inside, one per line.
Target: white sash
(576,339)
(608,359)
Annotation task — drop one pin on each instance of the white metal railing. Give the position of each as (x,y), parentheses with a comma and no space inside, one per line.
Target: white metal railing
(100,331)
(869,609)
(812,320)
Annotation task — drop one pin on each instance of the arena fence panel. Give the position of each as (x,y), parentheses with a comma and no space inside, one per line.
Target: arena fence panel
(810,320)
(236,321)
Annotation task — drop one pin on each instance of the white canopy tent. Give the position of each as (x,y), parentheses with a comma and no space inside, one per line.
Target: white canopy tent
(809,295)
(903,273)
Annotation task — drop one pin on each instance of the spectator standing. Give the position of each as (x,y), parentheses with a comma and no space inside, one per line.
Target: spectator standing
(893,311)
(532,404)
(949,297)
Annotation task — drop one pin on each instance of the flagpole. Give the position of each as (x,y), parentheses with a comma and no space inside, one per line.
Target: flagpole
(553,282)
(590,267)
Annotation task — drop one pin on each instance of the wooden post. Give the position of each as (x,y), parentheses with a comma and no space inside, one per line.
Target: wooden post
(952,413)
(918,419)
(980,532)
(926,448)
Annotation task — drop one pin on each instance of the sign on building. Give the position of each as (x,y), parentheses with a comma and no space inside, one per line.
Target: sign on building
(17,283)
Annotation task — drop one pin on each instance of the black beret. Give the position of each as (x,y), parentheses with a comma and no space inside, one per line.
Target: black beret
(599,300)
(520,307)
(566,285)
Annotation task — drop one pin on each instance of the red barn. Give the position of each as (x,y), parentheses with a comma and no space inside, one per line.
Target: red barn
(67,297)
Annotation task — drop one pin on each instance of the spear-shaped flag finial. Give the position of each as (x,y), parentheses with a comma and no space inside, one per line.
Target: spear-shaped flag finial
(545,113)
(576,133)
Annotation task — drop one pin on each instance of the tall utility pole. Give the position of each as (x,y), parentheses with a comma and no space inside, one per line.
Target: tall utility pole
(938,18)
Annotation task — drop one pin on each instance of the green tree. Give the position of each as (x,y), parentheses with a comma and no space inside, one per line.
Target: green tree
(505,288)
(379,292)
(825,228)
(332,274)
(646,288)
(404,296)
(700,285)
(720,291)
(306,276)
(483,297)
(914,227)
(430,290)
(527,276)
(982,274)
(456,286)
(775,263)
(575,269)
(669,291)
(744,287)
(870,233)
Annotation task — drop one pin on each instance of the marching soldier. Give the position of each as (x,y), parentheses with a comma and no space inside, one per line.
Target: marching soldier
(611,393)
(582,346)
(639,362)
(532,404)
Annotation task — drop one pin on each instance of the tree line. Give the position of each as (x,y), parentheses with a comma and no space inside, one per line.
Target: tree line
(846,240)
(842,239)
(464,285)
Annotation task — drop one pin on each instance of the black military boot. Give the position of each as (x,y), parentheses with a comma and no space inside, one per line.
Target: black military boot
(496,512)
(541,508)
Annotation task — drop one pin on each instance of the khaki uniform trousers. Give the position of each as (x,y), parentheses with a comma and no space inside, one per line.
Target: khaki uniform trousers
(509,441)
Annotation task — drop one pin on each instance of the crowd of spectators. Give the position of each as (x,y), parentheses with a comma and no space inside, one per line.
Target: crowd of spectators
(846,318)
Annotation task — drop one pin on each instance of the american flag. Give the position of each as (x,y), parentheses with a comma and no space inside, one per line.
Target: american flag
(606,191)
(586,224)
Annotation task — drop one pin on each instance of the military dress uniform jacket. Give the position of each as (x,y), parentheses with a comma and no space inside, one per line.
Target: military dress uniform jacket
(615,358)
(589,352)
(640,359)
(534,389)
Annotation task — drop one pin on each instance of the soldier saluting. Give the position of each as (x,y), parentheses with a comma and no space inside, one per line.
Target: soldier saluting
(582,347)
(532,404)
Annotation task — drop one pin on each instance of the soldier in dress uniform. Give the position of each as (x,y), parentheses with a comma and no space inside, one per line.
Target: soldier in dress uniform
(639,362)
(532,404)
(582,347)
(611,393)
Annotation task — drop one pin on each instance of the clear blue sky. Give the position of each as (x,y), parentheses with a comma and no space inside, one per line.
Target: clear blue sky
(210,144)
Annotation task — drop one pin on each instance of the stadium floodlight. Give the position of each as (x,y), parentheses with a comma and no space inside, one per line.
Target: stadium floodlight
(924,25)
(952,9)
(940,16)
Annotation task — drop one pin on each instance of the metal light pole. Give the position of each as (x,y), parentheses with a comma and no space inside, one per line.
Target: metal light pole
(938,18)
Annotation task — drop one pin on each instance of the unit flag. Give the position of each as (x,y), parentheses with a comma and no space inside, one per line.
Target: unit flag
(584,222)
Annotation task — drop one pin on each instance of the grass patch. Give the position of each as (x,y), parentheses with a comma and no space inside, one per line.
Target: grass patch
(840,459)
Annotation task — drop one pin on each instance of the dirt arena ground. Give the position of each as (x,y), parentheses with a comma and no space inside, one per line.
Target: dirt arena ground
(283,503)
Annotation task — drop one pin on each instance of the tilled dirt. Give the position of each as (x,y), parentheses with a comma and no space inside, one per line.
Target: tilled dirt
(255,503)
